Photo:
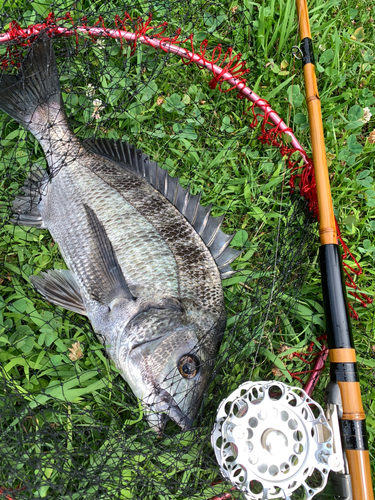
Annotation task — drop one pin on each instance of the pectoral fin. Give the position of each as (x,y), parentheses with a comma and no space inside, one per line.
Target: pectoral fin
(109,282)
(60,287)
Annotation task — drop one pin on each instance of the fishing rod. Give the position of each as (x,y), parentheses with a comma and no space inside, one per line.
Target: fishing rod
(282,416)
(343,395)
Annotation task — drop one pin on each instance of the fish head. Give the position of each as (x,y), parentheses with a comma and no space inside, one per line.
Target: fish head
(170,371)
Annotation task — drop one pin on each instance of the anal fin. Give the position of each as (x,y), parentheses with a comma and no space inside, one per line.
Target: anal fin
(25,206)
(60,287)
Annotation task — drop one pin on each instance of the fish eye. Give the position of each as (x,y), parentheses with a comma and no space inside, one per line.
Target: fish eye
(188,366)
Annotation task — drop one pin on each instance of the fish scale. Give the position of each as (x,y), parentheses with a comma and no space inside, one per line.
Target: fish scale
(145,260)
(198,276)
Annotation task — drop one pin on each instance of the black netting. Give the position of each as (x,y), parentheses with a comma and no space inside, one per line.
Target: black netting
(71,427)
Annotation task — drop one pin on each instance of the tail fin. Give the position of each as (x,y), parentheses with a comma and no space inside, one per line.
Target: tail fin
(36,84)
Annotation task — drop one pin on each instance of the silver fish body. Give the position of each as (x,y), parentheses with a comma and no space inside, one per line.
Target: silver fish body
(139,267)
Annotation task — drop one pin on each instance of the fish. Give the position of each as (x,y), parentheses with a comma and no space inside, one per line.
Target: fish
(144,258)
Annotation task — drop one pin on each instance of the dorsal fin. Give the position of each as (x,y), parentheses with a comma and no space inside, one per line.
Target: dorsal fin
(188,205)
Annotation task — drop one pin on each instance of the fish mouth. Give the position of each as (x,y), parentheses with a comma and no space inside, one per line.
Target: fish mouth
(166,404)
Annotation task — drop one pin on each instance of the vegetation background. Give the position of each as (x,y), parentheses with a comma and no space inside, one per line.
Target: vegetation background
(39,353)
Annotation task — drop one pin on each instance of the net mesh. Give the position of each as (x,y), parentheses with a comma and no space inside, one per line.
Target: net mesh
(71,427)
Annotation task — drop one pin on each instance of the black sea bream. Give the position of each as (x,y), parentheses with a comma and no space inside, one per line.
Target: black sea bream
(145,259)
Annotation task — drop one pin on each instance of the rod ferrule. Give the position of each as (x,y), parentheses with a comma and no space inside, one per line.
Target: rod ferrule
(344,372)
(307,51)
(354,435)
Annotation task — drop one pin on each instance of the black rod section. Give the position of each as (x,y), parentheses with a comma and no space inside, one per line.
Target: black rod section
(336,308)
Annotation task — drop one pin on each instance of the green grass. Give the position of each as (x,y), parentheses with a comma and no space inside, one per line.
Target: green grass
(202,136)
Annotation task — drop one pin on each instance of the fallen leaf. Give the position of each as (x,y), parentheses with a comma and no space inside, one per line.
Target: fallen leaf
(330,157)
(284,64)
(276,372)
(359,34)
(283,348)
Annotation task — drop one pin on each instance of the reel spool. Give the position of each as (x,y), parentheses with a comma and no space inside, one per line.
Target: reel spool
(271,439)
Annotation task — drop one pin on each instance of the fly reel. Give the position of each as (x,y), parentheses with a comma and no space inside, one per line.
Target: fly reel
(273,441)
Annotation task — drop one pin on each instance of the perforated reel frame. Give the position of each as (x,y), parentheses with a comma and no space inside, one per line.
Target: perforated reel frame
(271,440)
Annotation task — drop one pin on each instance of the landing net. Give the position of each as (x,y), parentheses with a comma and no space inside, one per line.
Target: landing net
(71,428)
